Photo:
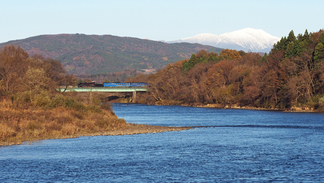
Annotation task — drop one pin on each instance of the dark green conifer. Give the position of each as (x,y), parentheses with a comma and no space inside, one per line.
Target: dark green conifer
(281,45)
(185,66)
(291,37)
(300,46)
(321,38)
(290,51)
(306,35)
(192,62)
(319,52)
(264,58)
(213,58)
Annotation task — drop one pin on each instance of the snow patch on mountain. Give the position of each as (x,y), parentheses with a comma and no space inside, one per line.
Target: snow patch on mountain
(247,39)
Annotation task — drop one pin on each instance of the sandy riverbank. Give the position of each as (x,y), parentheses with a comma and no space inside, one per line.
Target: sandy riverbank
(129,129)
(133,129)
(292,109)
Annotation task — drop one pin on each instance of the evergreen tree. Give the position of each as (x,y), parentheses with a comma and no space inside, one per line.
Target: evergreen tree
(203,59)
(185,66)
(281,45)
(192,62)
(300,46)
(321,38)
(306,35)
(291,37)
(213,58)
(290,51)
(319,52)
(264,58)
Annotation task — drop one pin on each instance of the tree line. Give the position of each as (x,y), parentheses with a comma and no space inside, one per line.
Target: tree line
(292,74)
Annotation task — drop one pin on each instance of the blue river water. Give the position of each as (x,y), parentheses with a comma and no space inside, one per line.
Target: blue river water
(227,146)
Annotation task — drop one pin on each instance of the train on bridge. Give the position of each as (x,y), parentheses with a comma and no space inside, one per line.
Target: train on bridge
(112,85)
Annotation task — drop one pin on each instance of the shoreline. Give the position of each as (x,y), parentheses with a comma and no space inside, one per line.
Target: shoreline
(234,106)
(292,109)
(131,129)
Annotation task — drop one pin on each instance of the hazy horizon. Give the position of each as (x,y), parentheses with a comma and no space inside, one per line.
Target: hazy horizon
(159,21)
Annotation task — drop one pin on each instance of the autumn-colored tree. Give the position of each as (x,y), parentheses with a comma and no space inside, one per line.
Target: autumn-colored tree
(198,83)
(239,78)
(13,61)
(229,54)
(201,53)
(291,74)
(250,59)
(219,74)
(27,80)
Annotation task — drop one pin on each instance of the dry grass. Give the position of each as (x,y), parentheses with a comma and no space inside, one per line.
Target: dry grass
(19,125)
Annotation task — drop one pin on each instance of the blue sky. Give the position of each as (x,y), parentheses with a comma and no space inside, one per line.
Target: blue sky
(156,19)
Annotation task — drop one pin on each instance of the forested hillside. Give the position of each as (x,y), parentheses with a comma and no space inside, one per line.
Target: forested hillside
(291,75)
(94,54)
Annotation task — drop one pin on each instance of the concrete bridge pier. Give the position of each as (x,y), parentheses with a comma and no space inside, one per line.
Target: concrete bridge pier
(134,97)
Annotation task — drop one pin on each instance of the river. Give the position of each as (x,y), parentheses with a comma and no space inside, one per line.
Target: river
(228,145)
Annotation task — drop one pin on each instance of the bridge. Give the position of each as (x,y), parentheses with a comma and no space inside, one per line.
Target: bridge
(105,89)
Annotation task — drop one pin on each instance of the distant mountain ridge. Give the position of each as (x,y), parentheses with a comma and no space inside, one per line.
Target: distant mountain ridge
(94,54)
(247,39)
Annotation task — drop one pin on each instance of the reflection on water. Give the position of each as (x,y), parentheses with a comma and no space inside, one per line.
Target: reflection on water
(229,145)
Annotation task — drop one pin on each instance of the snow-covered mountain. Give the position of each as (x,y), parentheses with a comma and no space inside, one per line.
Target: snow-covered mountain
(247,39)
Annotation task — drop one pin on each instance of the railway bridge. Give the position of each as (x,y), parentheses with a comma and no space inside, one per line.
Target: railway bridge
(106,89)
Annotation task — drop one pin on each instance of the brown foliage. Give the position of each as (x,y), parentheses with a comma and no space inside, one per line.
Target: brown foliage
(250,59)
(201,53)
(278,80)
(230,54)
(15,64)
(13,61)
(219,74)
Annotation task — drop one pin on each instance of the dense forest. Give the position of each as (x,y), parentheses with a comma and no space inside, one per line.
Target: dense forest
(291,75)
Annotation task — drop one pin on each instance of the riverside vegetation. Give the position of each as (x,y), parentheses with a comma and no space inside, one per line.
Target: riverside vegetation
(290,77)
(32,109)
